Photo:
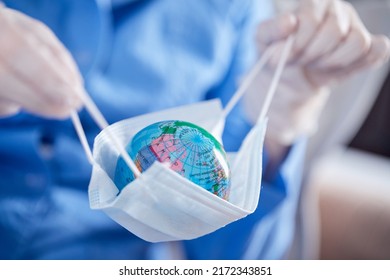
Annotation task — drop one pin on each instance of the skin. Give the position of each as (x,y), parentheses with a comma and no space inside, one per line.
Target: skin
(37,73)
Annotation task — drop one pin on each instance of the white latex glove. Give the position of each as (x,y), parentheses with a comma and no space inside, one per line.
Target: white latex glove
(37,73)
(331,43)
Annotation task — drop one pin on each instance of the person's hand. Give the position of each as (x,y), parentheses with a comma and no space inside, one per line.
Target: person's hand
(37,74)
(330,44)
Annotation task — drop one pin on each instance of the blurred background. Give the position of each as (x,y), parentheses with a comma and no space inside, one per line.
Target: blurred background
(345,212)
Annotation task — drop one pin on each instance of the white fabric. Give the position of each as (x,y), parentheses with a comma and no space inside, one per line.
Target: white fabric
(161,205)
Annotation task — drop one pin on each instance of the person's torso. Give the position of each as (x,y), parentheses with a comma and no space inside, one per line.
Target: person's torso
(136,57)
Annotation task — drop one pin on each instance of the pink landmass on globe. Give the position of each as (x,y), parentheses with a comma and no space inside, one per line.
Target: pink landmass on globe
(163,147)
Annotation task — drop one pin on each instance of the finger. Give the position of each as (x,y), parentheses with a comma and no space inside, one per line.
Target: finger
(275,30)
(378,54)
(36,70)
(311,15)
(32,62)
(331,33)
(356,44)
(8,108)
(51,102)
(58,53)
(46,48)
(57,59)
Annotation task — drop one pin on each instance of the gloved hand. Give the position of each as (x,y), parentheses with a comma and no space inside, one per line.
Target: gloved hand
(37,73)
(330,44)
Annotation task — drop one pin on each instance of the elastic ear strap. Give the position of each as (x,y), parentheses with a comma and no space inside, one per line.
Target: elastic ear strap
(103,124)
(83,139)
(276,78)
(242,89)
(248,80)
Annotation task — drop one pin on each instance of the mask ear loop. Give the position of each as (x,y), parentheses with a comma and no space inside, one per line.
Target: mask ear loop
(83,139)
(276,78)
(248,80)
(103,125)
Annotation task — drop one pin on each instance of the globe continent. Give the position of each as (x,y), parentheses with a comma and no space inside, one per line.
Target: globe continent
(189,149)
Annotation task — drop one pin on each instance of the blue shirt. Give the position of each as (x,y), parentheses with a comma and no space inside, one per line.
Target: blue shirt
(136,57)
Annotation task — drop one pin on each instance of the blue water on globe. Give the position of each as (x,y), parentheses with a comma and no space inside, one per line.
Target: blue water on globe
(190,150)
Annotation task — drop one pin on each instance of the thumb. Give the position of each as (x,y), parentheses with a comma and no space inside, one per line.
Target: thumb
(276,29)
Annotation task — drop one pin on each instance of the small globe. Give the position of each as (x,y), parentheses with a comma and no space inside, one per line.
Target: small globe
(190,150)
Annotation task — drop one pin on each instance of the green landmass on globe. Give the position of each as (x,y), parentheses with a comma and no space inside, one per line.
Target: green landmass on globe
(190,150)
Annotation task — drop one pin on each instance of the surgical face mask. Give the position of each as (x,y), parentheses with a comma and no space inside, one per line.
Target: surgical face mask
(161,205)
